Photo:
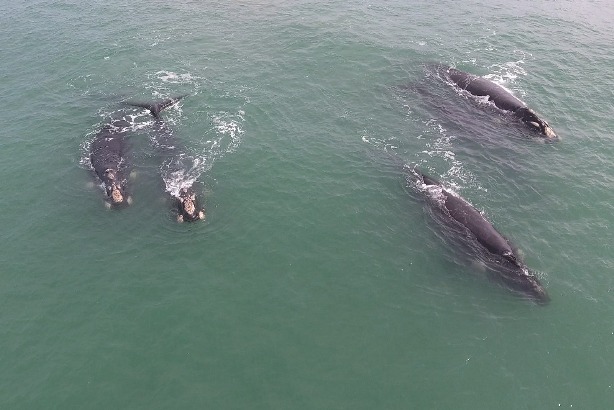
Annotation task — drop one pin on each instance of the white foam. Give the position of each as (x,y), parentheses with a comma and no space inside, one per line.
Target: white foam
(176,180)
(175,78)
(228,127)
(183,170)
(442,147)
(385,144)
(505,74)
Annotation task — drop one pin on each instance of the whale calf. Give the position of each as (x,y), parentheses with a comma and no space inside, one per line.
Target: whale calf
(503,99)
(186,202)
(507,263)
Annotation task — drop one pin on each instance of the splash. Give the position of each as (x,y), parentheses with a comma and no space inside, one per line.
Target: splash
(174,78)
(387,144)
(442,149)
(184,169)
(441,146)
(180,172)
(506,74)
(229,129)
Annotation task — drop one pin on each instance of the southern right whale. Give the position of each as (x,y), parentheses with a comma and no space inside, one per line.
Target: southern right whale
(108,159)
(187,204)
(507,264)
(502,98)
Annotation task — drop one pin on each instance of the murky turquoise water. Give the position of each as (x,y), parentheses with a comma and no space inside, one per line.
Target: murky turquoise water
(318,280)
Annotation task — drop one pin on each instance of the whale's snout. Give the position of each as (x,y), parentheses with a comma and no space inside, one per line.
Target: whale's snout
(549,132)
(540,296)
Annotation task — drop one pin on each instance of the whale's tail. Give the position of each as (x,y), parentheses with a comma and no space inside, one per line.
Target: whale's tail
(156,107)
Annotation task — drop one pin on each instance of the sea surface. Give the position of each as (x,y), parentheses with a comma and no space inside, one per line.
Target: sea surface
(319,278)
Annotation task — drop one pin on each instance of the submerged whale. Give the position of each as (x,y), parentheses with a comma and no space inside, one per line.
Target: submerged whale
(186,202)
(507,264)
(503,99)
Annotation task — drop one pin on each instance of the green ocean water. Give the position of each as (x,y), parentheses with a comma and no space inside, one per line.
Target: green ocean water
(319,279)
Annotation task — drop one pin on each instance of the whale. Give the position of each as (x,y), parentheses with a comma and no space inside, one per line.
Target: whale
(503,257)
(108,160)
(503,99)
(187,205)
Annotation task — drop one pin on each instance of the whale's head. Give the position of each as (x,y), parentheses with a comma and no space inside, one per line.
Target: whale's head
(522,280)
(187,206)
(116,193)
(529,117)
(536,291)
